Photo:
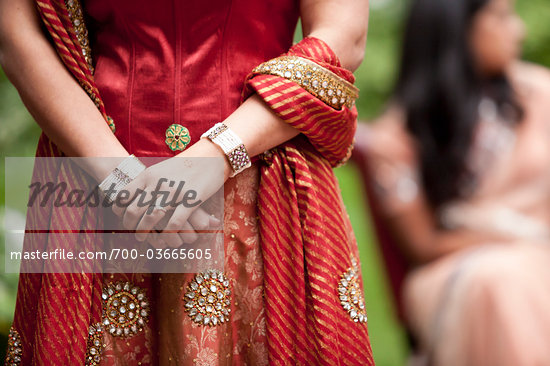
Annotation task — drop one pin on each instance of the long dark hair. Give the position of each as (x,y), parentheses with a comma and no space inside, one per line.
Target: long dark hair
(440,90)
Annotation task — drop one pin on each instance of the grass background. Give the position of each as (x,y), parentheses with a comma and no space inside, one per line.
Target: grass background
(19,134)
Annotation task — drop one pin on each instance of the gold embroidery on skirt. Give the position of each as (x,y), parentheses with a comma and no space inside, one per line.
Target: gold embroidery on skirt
(208,298)
(95,345)
(14,352)
(125,309)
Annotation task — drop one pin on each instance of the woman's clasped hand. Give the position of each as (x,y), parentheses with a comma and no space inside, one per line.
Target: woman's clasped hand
(164,204)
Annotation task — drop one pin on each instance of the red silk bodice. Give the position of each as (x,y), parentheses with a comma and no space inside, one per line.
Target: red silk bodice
(185,62)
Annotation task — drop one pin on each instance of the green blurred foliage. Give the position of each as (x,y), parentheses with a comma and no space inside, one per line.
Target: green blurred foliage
(536,14)
(375,78)
(18,137)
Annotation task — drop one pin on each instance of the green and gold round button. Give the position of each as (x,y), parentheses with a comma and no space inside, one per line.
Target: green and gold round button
(177,137)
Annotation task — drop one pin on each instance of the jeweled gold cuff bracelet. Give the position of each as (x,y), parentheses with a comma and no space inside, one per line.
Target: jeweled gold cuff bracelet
(317,80)
(121,176)
(231,145)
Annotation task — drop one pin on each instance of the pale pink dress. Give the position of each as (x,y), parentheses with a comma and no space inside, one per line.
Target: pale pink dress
(488,304)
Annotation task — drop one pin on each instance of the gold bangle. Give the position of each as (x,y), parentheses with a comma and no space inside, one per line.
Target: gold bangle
(317,80)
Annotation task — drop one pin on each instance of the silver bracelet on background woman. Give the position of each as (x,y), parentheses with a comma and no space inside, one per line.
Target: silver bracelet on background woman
(120,177)
(231,145)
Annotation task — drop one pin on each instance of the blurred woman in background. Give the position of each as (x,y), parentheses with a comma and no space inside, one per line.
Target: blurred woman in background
(461,165)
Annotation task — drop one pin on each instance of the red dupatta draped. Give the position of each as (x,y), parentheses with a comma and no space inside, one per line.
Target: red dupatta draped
(307,241)
(305,233)
(55,310)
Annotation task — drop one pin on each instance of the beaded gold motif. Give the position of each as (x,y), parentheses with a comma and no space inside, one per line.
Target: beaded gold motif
(208,298)
(321,82)
(125,309)
(95,345)
(14,352)
(351,295)
(91,94)
(111,124)
(74,9)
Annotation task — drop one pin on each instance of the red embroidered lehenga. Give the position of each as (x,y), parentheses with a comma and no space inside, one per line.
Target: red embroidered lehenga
(290,254)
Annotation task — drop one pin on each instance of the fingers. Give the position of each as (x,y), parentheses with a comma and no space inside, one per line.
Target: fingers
(178,230)
(137,212)
(133,211)
(189,235)
(134,188)
(200,220)
(155,240)
(148,222)
(185,226)
(133,215)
